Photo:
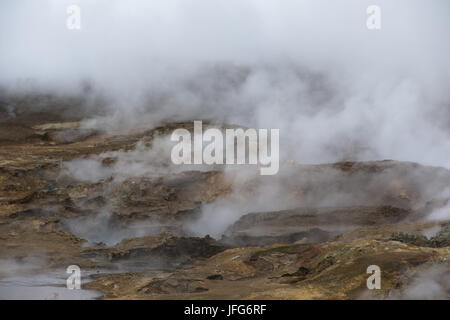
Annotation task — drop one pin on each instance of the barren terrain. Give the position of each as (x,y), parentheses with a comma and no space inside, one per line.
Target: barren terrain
(146,233)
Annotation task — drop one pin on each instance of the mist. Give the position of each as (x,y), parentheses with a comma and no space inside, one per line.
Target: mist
(430,284)
(336,90)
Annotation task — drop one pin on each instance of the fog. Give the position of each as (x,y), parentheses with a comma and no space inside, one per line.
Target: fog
(28,280)
(431,284)
(335,89)
(311,68)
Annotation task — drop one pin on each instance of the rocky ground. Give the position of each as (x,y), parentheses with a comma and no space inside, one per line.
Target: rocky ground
(76,195)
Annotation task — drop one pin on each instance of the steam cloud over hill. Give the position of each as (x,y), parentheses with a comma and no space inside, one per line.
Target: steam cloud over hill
(86,178)
(311,68)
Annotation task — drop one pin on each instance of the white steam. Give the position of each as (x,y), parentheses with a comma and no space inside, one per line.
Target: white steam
(310,68)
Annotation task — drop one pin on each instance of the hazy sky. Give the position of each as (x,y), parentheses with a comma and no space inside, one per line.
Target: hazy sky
(129,39)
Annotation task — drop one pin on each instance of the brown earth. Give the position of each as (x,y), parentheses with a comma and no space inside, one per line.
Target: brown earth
(312,250)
